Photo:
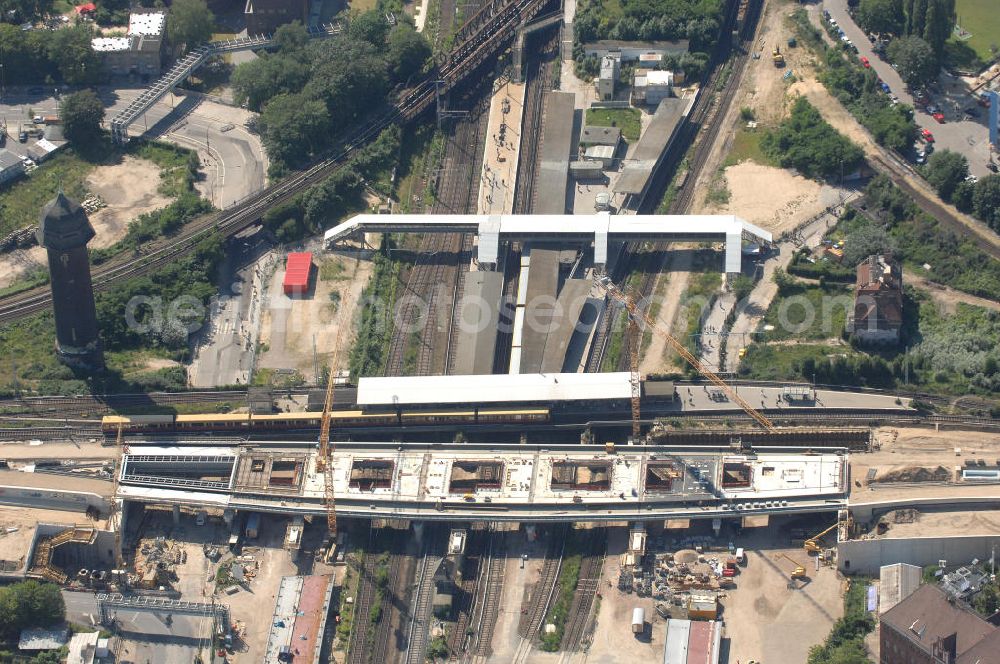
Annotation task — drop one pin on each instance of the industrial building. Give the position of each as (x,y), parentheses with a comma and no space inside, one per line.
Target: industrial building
(629,51)
(64,232)
(11,166)
(651,86)
(896,583)
(298,268)
(140,51)
(608,76)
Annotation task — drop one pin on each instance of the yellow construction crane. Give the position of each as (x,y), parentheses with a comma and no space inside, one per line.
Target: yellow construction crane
(635,312)
(799,572)
(812,545)
(115,472)
(323,462)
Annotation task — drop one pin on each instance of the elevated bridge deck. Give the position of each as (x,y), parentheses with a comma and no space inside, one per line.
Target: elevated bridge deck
(598,229)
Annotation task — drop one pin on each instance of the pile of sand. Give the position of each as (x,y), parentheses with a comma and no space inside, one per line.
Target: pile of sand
(916,474)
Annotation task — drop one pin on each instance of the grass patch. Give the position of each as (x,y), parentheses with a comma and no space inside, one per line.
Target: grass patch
(420,151)
(718,190)
(23,199)
(178,166)
(981,18)
(362,5)
(785,362)
(332,268)
(375,329)
(629,120)
(808,311)
(846,642)
(746,147)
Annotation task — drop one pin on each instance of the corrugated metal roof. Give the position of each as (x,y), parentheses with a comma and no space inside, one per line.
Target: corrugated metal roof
(676,650)
(511,388)
(297,269)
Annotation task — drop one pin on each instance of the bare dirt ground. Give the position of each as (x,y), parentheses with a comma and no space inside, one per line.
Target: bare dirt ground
(763,606)
(17,452)
(290,325)
(934,524)
(654,359)
(947,298)
(129,189)
(773,198)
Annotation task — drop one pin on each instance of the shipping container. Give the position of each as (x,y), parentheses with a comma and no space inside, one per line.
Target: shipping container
(638,620)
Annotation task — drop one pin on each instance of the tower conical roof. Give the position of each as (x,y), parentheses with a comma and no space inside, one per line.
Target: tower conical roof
(63,224)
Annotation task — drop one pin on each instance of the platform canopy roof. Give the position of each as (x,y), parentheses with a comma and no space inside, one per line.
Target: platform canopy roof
(500,388)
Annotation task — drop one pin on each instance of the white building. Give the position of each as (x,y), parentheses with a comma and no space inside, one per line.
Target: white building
(651,86)
(628,51)
(610,66)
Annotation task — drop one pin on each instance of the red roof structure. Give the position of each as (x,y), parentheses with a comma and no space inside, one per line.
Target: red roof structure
(86,8)
(297,270)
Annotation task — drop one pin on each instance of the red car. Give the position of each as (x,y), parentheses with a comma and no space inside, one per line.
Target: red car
(939,117)
(927,135)
(865,63)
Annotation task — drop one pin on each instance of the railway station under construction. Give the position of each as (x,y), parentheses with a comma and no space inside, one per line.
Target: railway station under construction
(497,482)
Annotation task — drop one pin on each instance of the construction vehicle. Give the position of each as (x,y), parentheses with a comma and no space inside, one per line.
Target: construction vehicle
(777,57)
(813,545)
(636,314)
(799,572)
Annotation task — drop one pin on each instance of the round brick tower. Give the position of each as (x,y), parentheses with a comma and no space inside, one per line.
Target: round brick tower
(64,231)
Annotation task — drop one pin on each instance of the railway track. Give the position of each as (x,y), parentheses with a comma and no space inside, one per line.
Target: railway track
(369,643)
(490,591)
(586,589)
(421,602)
(541,596)
(426,316)
(491,28)
(464,600)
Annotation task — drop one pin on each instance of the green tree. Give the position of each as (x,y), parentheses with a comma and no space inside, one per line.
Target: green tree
(70,51)
(30,604)
(881,16)
(408,52)
(19,11)
(945,170)
(938,24)
(294,127)
(291,37)
(349,76)
(112,12)
(190,22)
(257,81)
(915,60)
(369,26)
(986,201)
(851,652)
(82,113)
(806,142)
(962,196)
(865,241)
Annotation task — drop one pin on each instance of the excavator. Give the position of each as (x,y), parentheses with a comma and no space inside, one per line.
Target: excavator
(799,572)
(813,544)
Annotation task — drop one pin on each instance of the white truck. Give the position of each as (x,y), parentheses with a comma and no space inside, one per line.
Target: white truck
(638,620)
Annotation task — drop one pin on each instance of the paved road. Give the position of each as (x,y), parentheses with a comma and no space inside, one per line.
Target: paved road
(233,160)
(959,134)
(80,607)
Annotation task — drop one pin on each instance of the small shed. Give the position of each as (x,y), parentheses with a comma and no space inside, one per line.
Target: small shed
(11,166)
(298,267)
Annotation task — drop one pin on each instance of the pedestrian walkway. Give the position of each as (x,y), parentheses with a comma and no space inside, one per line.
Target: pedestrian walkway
(503,147)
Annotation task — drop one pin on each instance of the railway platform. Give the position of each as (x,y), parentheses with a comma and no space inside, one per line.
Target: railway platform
(503,149)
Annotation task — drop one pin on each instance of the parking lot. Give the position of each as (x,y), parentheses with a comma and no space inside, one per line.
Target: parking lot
(960,132)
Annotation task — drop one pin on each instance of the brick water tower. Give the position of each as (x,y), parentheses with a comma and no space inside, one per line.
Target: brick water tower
(64,231)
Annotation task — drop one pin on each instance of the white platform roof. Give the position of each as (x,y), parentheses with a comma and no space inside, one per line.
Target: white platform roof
(598,228)
(502,388)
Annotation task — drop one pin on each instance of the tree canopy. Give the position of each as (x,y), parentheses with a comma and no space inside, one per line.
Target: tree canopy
(190,22)
(986,201)
(865,241)
(695,20)
(19,11)
(945,170)
(881,16)
(82,113)
(807,143)
(307,90)
(30,604)
(915,59)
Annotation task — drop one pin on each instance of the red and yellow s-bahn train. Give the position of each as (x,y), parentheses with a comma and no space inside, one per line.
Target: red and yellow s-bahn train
(249,422)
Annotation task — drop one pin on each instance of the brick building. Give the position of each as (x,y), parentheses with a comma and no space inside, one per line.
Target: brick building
(929,628)
(877,315)
(265,16)
(140,51)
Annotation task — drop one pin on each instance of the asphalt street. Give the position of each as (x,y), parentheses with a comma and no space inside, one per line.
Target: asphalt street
(232,157)
(959,133)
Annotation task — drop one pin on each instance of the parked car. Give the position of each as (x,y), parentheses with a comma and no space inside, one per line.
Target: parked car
(885,87)
(927,135)
(939,117)
(865,63)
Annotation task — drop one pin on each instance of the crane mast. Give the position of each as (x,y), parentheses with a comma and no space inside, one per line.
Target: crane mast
(636,313)
(323,461)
